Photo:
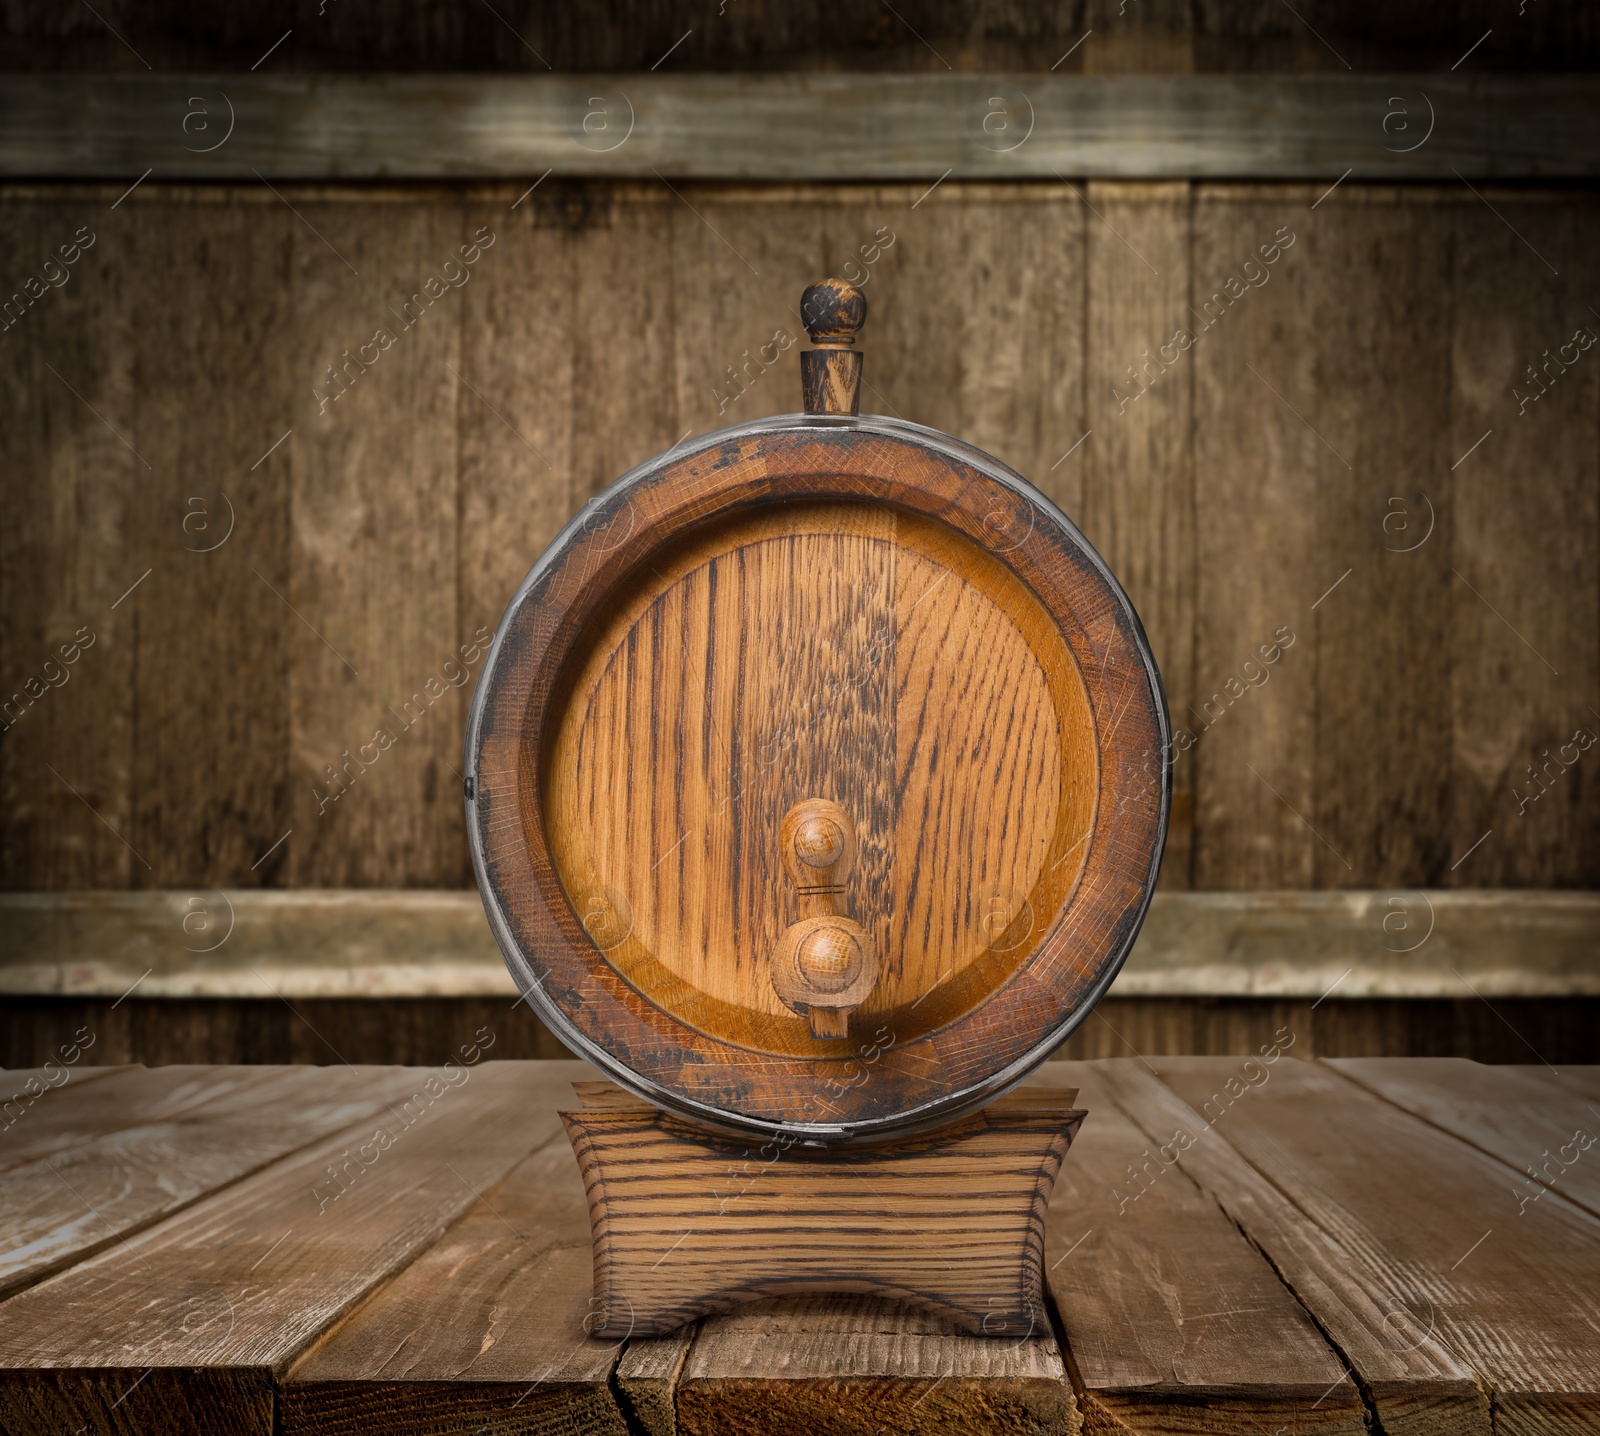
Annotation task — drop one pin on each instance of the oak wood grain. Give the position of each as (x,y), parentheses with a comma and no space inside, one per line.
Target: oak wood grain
(688,1222)
(698,721)
(1512,1296)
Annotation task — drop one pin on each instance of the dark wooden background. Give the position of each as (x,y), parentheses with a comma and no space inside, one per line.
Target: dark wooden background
(1264,467)
(1268,482)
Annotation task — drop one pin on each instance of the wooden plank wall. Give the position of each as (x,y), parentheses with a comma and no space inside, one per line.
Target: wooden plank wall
(1338,456)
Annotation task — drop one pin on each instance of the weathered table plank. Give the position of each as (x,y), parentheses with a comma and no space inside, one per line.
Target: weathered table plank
(861,1365)
(1414,1383)
(66,1205)
(648,1375)
(1515,1296)
(1525,1116)
(1230,1250)
(22,1090)
(484,1332)
(1174,1322)
(185,1327)
(79,1112)
(1585,1081)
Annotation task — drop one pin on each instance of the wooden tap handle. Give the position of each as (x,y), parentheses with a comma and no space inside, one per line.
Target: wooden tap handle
(819,850)
(826,963)
(830,375)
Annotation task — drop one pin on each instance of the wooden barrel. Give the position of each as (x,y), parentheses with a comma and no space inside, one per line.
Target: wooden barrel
(818,777)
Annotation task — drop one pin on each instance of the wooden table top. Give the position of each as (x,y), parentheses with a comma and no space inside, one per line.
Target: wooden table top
(1234,1246)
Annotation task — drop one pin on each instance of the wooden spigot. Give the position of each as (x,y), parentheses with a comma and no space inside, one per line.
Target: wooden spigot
(825,964)
(830,375)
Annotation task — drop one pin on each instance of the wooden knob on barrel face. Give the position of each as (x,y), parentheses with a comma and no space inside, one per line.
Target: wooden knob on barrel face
(825,964)
(830,375)
(818,842)
(829,957)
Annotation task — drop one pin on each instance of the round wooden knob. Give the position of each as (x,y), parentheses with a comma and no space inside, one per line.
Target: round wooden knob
(818,842)
(829,958)
(825,967)
(833,312)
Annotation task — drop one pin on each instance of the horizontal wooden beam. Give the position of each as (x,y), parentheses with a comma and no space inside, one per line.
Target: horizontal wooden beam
(800,127)
(374,943)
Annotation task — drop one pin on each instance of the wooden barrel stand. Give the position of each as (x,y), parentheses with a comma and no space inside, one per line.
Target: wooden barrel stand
(688,1222)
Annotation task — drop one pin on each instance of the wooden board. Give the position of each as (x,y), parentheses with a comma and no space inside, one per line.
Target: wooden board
(384,943)
(1262,1280)
(64,1206)
(1524,282)
(1583,1080)
(1406,1376)
(1255,633)
(1529,1119)
(71,588)
(985,37)
(647,1375)
(565,336)
(207,276)
(1138,478)
(755,249)
(822,126)
(487,1331)
(976,364)
(389,1030)
(1380,305)
(859,1365)
(1512,1296)
(368,596)
(181,1327)
(1174,1321)
(80,1110)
